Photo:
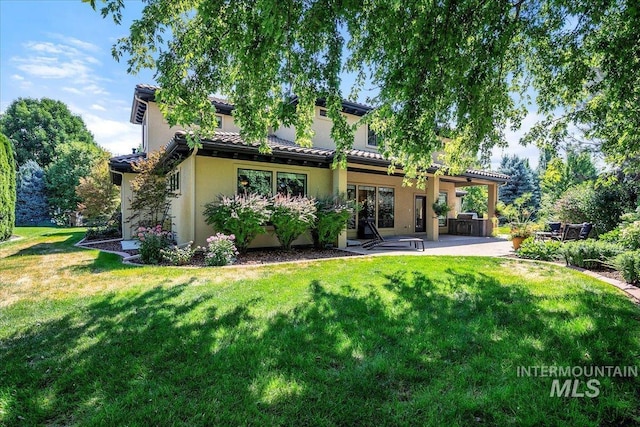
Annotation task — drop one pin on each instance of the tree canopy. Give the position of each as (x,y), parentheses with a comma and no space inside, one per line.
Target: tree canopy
(73,160)
(36,127)
(463,67)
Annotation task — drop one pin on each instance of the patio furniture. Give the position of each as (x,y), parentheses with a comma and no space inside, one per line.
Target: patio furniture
(553,230)
(574,232)
(378,240)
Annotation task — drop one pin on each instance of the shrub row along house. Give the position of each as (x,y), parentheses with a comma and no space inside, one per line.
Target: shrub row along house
(227,165)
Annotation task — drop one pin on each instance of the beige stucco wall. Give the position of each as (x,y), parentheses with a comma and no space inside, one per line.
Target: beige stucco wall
(322,132)
(126,195)
(215,176)
(182,217)
(159,133)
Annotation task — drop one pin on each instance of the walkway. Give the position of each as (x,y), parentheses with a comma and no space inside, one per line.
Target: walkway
(446,245)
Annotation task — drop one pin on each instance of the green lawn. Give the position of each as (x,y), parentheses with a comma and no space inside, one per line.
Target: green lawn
(362,341)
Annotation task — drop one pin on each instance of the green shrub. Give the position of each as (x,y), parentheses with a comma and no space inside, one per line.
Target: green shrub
(152,241)
(220,250)
(628,264)
(589,253)
(178,256)
(545,250)
(332,213)
(630,230)
(7,188)
(244,216)
(292,216)
(103,232)
(612,236)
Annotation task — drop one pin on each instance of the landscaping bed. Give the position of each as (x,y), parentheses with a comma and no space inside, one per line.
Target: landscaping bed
(252,257)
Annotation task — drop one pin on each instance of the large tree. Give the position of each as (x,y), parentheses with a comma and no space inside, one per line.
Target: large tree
(36,127)
(464,66)
(7,188)
(73,161)
(522,181)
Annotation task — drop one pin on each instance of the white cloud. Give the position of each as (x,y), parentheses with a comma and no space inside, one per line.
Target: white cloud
(530,152)
(80,44)
(17,77)
(72,90)
(52,68)
(115,136)
(98,107)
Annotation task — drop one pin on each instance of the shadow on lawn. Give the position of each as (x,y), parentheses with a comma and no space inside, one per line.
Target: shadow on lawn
(46,248)
(412,352)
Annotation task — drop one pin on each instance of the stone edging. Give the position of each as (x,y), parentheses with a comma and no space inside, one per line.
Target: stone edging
(126,258)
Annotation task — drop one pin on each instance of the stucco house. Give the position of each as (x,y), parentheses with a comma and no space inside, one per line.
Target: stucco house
(228,165)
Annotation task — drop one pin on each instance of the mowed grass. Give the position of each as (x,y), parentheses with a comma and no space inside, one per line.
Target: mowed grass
(391,340)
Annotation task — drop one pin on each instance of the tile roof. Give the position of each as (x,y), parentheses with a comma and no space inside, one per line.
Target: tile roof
(127,159)
(279,145)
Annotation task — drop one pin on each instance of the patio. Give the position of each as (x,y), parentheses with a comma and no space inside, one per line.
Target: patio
(446,245)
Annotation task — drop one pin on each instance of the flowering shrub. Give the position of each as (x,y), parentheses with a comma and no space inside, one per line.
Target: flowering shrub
(332,214)
(152,240)
(291,216)
(243,216)
(178,256)
(220,250)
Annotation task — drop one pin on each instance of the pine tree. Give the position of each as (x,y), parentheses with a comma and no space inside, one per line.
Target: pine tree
(32,207)
(522,181)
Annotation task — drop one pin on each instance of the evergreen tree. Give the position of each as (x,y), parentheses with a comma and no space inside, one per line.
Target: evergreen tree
(7,188)
(522,181)
(31,206)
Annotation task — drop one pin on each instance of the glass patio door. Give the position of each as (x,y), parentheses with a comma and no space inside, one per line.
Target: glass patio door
(421,214)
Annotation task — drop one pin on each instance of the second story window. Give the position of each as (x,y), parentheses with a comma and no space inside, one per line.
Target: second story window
(372,138)
(219,121)
(322,113)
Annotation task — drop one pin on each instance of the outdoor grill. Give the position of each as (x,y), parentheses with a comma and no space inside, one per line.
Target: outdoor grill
(468,224)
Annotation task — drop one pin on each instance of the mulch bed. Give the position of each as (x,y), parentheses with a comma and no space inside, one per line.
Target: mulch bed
(253,257)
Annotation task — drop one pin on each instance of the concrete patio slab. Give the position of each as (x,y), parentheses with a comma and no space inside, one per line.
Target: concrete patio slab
(446,245)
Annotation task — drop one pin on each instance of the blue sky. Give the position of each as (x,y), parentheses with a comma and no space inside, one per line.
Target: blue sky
(61,49)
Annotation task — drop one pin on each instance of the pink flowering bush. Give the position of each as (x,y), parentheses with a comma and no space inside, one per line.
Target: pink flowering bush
(291,216)
(220,250)
(244,216)
(152,241)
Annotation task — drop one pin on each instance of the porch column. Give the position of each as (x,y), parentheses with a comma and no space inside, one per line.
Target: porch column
(433,191)
(492,190)
(340,187)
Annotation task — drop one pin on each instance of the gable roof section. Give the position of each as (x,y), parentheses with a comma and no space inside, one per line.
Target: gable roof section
(144,93)
(231,145)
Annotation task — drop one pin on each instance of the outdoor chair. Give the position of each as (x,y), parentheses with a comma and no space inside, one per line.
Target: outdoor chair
(574,232)
(553,230)
(378,240)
